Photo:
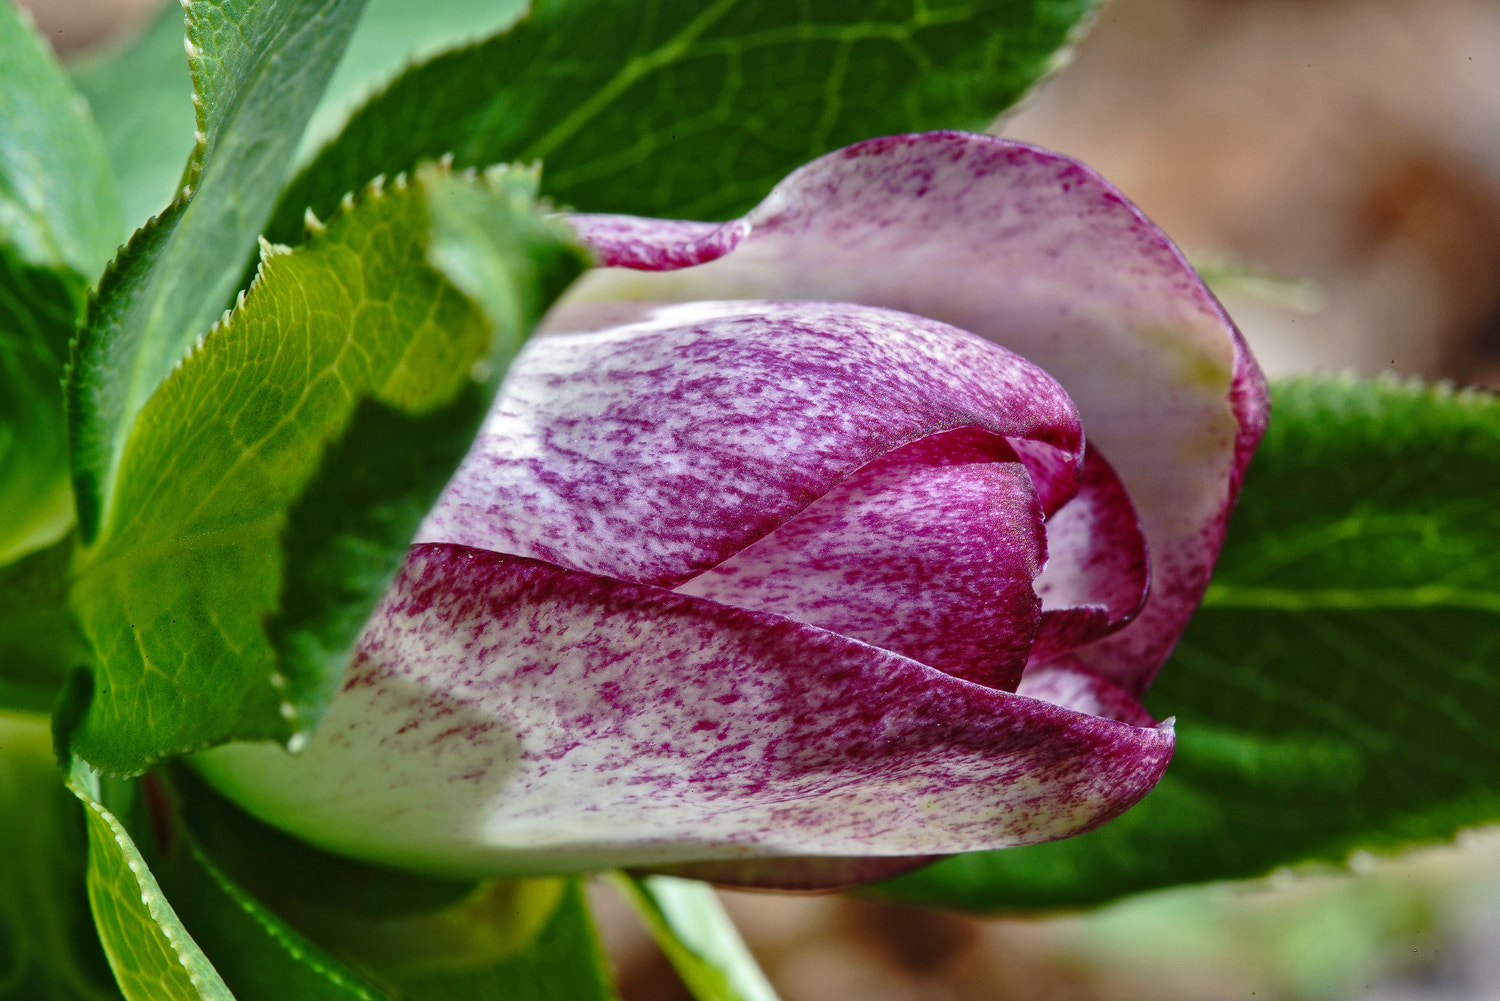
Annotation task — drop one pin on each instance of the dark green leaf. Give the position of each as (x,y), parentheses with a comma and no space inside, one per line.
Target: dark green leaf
(229,510)
(59,219)
(40,643)
(58,205)
(38,313)
(151,953)
(391,35)
(415,937)
(1339,688)
(691,109)
(258,71)
(48,948)
(260,957)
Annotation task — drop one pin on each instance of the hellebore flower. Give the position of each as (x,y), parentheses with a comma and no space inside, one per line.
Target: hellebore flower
(782,558)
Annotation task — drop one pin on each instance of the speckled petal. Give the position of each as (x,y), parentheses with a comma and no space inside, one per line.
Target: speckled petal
(1065,681)
(624,241)
(505,716)
(930,551)
(655,451)
(1097,573)
(1037,252)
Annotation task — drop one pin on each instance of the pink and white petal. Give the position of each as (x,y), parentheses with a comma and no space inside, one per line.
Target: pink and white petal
(1037,252)
(930,552)
(1097,575)
(625,241)
(505,717)
(654,451)
(1068,683)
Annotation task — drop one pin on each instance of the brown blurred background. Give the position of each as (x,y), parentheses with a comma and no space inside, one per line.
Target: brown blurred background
(1337,163)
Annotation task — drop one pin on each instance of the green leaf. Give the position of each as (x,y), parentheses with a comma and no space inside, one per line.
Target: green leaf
(59,218)
(152,955)
(258,71)
(1339,688)
(141,93)
(698,938)
(308,885)
(391,35)
(690,109)
(563,960)
(414,937)
(260,956)
(40,642)
(141,96)
(281,470)
(48,949)
(39,310)
(58,205)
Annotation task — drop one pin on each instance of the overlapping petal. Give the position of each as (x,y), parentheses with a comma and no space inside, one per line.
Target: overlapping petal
(505,715)
(653,451)
(1035,251)
(782,559)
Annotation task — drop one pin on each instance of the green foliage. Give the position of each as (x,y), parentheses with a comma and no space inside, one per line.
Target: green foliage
(38,312)
(408,936)
(690,925)
(229,510)
(48,948)
(563,960)
(59,217)
(392,35)
(1339,688)
(258,71)
(151,953)
(58,205)
(141,95)
(260,957)
(40,643)
(676,108)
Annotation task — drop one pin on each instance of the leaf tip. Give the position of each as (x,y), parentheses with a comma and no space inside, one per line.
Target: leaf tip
(312,224)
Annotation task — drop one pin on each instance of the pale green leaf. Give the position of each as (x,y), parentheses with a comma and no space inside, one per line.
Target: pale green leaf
(690,925)
(141,96)
(152,955)
(58,204)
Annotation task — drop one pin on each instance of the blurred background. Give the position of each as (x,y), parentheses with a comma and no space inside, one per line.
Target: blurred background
(1335,166)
